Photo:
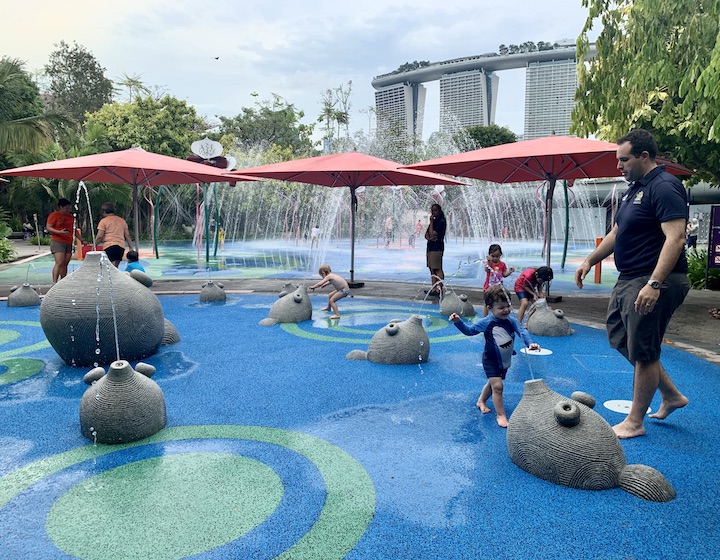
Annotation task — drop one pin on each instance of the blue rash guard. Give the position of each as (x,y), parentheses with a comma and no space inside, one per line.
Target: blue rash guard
(499,341)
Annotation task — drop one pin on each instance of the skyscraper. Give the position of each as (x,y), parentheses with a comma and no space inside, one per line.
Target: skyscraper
(549,97)
(467,99)
(399,108)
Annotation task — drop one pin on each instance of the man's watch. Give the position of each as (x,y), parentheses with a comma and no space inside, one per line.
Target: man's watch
(654,284)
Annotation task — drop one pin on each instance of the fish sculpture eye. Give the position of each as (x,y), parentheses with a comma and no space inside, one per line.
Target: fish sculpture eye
(297,298)
(392,329)
(558,313)
(567,413)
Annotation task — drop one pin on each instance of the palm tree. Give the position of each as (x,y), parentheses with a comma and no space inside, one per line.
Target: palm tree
(24,125)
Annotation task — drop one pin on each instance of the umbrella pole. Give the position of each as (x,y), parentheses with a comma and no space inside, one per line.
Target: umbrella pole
(548,233)
(353,208)
(136,217)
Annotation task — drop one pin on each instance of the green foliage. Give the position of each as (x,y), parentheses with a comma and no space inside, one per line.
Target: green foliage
(7,252)
(697,261)
(43,240)
(476,137)
(408,66)
(24,125)
(270,122)
(77,81)
(656,67)
(165,126)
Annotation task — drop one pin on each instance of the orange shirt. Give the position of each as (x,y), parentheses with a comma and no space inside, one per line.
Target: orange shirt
(58,220)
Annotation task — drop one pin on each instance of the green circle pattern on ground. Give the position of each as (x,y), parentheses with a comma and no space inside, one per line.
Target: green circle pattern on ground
(19,368)
(350,495)
(164,508)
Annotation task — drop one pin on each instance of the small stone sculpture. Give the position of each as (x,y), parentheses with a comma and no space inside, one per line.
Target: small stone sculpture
(23,296)
(122,406)
(544,321)
(564,441)
(468,310)
(170,334)
(399,342)
(287,288)
(97,297)
(294,307)
(141,277)
(212,292)
(450,303)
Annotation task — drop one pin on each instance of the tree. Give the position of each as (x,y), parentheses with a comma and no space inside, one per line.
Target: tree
(77,81)
(270,122)
(25,126)
(634,81)
(134,86)
(476,137)
(165,126)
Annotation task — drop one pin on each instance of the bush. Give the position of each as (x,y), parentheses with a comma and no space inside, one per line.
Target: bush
(43,240)
(696,270)
(7,252)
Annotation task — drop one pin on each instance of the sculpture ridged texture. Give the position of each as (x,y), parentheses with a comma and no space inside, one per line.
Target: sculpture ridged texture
(212,292)
(294,307)
(74,307)
(24,296)
(565,442)
(400,342)
(544,321)
(122,406)
(170,334)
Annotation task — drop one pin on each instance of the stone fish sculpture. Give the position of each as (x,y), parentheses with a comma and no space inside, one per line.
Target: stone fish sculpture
(122,406)
(399,342)
(468,310)
(450,303)
(562,440)
(212,292)
(544,321)
(83,302)
(23,296)
(294,307)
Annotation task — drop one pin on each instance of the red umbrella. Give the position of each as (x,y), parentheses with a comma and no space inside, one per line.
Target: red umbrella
(134,167)
(548,159)
(349,169)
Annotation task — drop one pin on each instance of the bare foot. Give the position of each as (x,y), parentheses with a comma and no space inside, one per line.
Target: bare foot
(334,317)
(626,430)
(668,407)
(502,421)
(325,309)
(482,406)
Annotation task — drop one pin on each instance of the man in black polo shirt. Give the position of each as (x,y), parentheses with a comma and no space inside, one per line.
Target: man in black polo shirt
(648,240)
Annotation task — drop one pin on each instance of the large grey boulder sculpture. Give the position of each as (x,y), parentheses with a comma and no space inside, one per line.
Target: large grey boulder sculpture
(294,307)
(399,342)
(122,406)
(82,303)
(544,321)
(450,303)
(564,441)
(23,296)
(212,292)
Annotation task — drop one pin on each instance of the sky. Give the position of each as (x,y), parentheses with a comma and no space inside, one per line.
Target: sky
(221,56)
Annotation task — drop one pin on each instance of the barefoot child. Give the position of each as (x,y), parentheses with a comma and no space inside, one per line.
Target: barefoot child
(499,328)
(341,289)
(496,269)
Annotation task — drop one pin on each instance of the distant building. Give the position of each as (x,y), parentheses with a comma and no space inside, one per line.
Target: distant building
(469,92)
(400,107)
(549,97)
(467,99)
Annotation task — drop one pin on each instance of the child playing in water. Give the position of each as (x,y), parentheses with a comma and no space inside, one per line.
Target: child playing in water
(133,264)
(340,285)
(499,328)
(496,269)
(525,285)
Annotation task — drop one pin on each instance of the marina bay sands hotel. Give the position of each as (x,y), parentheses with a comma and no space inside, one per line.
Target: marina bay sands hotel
(469,92)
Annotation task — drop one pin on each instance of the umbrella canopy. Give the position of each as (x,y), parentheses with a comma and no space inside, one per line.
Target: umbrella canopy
(548,159)
(134,167)
(349,169)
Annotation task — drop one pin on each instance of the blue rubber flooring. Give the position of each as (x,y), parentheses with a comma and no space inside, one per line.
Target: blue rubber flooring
(351,459)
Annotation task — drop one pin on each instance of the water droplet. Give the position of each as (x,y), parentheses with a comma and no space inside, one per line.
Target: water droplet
(97,350)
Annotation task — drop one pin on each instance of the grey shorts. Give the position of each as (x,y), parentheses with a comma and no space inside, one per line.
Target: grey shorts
(639,337)
(434,260)
(59,247)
